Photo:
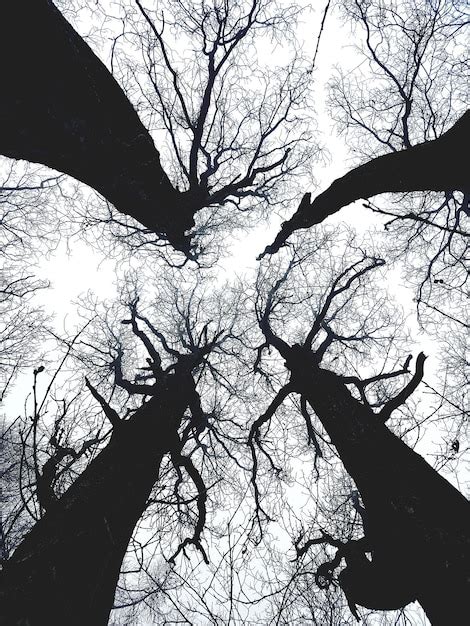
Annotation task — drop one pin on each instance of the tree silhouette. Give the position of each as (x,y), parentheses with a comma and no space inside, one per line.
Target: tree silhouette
(156,413)
(436,165)
(74,117)
(67,566)
(401,521)
(399,104)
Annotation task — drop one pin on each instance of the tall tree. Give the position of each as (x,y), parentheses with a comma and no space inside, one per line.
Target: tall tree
(67,567)
(163,377)
(64,109)
(436,165)
(415,522)
(404,103)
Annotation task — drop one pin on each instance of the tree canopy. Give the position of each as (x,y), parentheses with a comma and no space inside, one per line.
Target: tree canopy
(231,439)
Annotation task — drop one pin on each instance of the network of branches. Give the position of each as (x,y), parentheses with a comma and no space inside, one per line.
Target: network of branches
(246,418)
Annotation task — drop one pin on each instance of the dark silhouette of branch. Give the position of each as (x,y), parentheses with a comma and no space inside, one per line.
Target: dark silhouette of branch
(50,470)
(159,335)
(180,460)
(436,165)
(45,478)
(355,272)
(131,388)
(312,438)
(406,392)
(254,437)
(110,413)
(64,109)
(155,360)
(320,33)
(267,415)
(324,539)
(362,383)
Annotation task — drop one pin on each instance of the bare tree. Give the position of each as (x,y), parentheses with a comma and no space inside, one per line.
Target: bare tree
(401,100)
(432,166)
(220,151)
(83,524)
(419,547)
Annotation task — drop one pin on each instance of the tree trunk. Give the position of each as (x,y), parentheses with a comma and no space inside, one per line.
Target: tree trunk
(66,569)
(418,523)
(438,165)
(61,107)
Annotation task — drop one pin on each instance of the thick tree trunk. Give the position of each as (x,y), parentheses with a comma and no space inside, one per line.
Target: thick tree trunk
(61,107)
(418,524)
(439,165)
(66,569)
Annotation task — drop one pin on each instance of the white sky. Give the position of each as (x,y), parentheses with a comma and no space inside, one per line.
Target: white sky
(76,269)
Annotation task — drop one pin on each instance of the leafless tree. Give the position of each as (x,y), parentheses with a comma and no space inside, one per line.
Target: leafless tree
(403,100)
(398,488)
(157,428)
(234,131)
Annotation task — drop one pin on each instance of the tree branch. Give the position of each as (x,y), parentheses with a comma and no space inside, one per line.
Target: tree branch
(183,461)
(406,392)
(110,413)
(431,166)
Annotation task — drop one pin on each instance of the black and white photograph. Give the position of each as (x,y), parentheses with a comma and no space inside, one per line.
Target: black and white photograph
(234,320)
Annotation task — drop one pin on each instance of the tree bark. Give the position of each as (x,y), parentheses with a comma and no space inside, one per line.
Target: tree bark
(66,569)
(418,523)
(61,107)
(439,165)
